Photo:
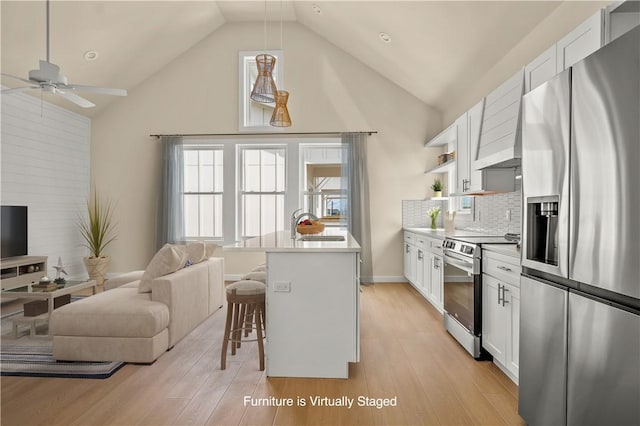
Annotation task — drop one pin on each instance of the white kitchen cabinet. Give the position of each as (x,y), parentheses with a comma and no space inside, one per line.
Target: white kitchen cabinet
(620,17)
(585,39)
(435,290)
(501,310)
(410,257)
(541,69)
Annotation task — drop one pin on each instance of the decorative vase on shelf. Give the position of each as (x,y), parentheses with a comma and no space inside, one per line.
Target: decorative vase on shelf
(437,194)
(433,222)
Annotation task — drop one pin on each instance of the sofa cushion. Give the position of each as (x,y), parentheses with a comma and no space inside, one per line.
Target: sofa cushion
(167,260)
(121,312)
(196,251)
(121,279)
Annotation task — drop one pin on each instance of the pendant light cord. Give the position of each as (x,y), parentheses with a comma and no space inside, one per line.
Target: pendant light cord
(48,31)
(280,24)
(265,25)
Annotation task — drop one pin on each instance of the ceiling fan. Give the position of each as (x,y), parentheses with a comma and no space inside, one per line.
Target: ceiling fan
(49,79)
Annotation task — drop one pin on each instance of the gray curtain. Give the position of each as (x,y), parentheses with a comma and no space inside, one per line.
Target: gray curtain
(356,181)
(170,212)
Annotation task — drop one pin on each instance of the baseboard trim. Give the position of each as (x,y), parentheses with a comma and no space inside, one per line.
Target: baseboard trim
(375,279)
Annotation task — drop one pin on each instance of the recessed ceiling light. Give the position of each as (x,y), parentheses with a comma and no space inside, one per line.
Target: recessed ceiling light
(316,8)
(90,55)
(385,37)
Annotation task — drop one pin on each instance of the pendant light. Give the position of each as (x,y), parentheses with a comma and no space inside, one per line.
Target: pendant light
(264,90)
(280,116)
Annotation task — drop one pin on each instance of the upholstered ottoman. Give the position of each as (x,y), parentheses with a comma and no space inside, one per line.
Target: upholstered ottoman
(117,325)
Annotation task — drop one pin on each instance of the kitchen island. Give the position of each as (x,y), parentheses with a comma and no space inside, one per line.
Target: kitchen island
(312,304)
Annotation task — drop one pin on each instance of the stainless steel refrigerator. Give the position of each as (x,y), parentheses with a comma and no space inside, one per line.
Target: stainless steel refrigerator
(580,289)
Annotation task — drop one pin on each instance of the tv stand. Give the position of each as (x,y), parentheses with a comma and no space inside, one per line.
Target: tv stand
(20,271)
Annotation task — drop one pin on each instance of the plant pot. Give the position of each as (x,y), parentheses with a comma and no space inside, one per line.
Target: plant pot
(97,268)
(437,194)
(433,222)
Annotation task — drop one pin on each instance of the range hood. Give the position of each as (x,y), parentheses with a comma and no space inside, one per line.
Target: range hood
(500,143)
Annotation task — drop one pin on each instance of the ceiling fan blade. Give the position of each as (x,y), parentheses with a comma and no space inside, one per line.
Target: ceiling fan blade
(94,89)
(82,102)
(18,89)
(18,78)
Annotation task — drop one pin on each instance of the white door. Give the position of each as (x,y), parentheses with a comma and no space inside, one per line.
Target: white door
(585,39)
(513,330)
(493,319)
(474,126)
(541,69)
(462,155)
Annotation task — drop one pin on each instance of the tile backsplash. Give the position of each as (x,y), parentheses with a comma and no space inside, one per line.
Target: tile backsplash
(489,213)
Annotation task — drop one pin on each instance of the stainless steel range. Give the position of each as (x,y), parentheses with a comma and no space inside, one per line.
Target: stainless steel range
(463,289)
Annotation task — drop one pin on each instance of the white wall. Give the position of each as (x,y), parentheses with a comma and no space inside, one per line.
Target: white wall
(197,93)
(45,166)
(555,26)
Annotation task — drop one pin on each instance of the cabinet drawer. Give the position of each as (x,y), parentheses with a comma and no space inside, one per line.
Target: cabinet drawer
(505,268)
(422,242)
(436,245)
(409,237)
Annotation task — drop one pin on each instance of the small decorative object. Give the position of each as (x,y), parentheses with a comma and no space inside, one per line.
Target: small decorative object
(36,268)
(449,221)
(280,116)
(44,281)
(310,227)
(437,188)
(31,269)
(433,214)
(60,268)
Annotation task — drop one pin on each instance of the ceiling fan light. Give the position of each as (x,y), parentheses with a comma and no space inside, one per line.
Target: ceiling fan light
(280,116)
(264,90)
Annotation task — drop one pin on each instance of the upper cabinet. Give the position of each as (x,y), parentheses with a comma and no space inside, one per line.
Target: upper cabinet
(500,144)
(620,17)
(541,69)
(585,39)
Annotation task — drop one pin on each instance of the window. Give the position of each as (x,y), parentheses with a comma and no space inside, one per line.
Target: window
(255,115)
(203,188)
(322,183)
(262,190)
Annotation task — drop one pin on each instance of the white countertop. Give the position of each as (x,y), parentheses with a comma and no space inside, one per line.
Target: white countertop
(282,242)
(506,249)
(434,233)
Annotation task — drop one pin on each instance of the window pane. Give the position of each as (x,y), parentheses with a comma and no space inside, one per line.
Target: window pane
(268,214)
(191,215)
(206,216)
(206,157)
(190,178)
(251,170)
(251,215)
(217,216)
(206,178)
(191,157)
(280,172)
(218,171)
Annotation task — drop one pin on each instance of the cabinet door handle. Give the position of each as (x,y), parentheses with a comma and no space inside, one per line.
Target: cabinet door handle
(500,298)
(406,248)
(504,298)
(504,268)
(420,256)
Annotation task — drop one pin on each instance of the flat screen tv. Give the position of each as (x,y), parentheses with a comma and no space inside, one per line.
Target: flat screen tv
(13,231)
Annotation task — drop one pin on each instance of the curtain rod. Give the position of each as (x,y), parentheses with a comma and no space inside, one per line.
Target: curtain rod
(369,132)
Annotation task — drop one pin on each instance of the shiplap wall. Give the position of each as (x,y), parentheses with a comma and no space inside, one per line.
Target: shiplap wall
(45,165)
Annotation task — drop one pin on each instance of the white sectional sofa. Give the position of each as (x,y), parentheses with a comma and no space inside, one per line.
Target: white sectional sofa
(123,324)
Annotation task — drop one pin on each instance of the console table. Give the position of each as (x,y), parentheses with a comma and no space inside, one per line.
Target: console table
(21,270)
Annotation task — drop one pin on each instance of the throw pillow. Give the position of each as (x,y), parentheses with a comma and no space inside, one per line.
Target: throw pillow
(167,260)
(196,251)
(210,248)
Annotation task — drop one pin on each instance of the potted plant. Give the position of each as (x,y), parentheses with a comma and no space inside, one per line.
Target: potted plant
(433,214)
(437,188)
(97,229)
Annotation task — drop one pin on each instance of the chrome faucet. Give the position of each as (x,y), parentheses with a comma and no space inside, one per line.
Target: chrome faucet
(295,219)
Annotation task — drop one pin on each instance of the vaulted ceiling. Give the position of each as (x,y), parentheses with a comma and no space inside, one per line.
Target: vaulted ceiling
(434,45)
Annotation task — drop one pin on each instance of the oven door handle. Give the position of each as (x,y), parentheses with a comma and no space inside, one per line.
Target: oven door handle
(458,264)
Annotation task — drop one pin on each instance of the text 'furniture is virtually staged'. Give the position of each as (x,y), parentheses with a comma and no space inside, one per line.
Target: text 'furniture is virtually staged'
(288,212)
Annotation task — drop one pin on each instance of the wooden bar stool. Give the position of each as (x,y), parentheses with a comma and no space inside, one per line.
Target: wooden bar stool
(253,276)
(245,308)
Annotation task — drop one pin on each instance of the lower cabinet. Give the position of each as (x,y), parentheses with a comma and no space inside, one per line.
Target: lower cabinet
(501,322)
(423,268)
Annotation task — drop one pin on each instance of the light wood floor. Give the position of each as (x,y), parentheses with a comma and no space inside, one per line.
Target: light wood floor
(405,353)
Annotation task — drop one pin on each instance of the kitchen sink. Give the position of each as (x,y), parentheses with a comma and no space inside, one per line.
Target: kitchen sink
(321,238)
